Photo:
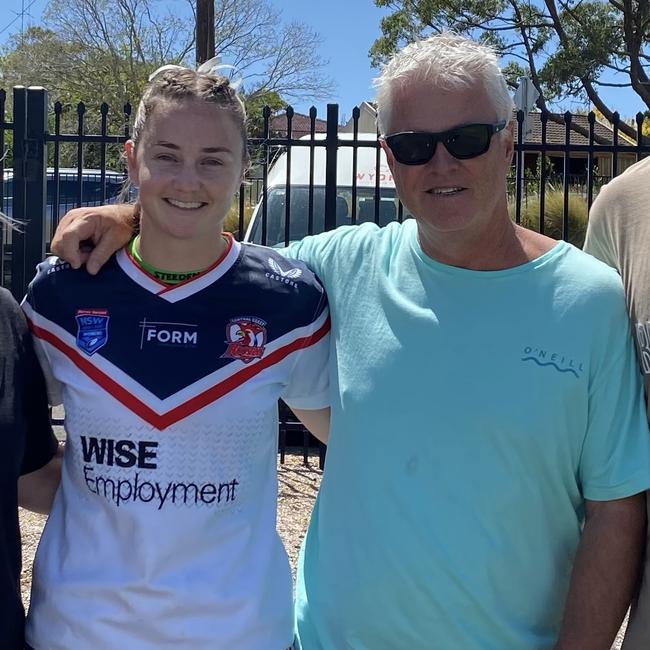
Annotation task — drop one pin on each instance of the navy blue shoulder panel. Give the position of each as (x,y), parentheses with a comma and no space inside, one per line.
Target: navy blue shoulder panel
(282,276)
(166,345)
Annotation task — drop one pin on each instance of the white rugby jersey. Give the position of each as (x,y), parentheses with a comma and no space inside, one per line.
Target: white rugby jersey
(163,533)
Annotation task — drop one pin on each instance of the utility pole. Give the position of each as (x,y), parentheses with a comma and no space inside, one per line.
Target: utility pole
(204,30)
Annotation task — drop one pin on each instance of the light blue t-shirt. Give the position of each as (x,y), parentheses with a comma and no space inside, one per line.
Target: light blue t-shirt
(472,412)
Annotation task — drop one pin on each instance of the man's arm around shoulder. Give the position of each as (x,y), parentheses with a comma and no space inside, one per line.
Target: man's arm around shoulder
(106,227)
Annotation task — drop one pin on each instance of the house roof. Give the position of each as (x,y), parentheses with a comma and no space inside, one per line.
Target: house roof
(300,125)
(579,135)
(555,128)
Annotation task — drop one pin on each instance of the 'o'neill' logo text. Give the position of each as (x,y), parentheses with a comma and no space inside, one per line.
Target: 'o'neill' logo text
(556,360)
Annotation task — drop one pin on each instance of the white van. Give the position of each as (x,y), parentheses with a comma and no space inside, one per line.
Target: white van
(350,207)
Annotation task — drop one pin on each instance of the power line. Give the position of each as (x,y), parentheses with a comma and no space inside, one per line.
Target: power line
(19,15)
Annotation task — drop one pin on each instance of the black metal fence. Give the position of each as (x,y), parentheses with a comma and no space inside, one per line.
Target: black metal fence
(319,180)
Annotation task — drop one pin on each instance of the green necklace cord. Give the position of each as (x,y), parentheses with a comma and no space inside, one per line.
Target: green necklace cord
(168,277)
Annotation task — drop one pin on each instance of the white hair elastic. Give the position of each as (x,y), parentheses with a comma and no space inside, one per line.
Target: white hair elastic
(212,66)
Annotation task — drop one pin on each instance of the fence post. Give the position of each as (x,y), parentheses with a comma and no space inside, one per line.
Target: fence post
(519,164)
(36,178)
(30,179)
(331,152)
(18,201)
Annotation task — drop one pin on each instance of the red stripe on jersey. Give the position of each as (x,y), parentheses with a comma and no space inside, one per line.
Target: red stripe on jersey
(164,420)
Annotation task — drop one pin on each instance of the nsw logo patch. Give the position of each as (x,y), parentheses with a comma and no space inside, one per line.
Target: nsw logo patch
(246,338)
(92,329)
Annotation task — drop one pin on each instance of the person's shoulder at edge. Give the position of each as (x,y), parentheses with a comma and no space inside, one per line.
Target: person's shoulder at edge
(622,187)
(589,278)
(10,310)
(7,300)
(639,167)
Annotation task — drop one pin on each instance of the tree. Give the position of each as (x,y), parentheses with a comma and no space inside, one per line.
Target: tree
(271,56)
(103,51)
(565,46)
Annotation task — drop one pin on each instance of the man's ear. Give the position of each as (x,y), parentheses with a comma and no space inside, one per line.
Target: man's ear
(509,133)
(131,162)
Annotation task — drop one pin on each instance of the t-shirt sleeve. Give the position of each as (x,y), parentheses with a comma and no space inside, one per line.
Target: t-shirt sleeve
(308,250)
(308,386)
(40,442)
(323,253)
(599,240)
(615,460)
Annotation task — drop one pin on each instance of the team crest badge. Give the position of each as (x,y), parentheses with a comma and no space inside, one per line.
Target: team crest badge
(246,338)
(92,329)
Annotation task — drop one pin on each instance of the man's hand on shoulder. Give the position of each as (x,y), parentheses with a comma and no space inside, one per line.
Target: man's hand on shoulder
(91,235)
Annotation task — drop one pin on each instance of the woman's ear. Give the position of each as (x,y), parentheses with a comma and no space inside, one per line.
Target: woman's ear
(131,162)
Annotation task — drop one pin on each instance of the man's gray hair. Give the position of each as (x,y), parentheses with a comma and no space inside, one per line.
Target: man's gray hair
(447,61)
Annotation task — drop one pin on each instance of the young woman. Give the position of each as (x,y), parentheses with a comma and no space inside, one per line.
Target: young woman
(171,361)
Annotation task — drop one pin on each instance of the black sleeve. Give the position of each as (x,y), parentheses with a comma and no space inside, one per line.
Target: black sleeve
(40,443)
(30,396)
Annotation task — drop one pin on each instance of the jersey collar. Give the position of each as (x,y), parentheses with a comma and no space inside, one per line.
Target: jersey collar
(174,293)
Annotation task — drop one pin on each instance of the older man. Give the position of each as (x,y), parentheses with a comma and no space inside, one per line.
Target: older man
(486,399)
(619,234)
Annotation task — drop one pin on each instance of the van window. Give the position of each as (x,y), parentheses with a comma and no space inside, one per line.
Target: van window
(91,189)
(91,192)
(299,212)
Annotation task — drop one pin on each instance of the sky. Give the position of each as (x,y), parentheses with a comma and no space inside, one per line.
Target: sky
(348,29)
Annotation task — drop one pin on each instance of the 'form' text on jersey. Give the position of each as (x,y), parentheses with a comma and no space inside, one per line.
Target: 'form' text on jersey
(166,516)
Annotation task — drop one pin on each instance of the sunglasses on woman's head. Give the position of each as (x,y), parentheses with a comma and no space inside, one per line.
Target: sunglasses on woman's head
(418,147)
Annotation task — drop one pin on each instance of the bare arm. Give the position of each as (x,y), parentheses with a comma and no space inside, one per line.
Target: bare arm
(605,573)
(317,421)
(36,490)
(107,227)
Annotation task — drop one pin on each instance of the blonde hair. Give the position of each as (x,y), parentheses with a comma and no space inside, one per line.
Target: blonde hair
(448,61)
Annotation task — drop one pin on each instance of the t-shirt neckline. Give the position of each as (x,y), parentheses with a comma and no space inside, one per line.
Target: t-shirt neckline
(560,248)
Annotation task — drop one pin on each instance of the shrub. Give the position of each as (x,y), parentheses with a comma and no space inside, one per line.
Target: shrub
(231,224)
(553,215)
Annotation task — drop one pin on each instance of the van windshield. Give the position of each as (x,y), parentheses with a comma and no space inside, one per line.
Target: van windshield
(299,226)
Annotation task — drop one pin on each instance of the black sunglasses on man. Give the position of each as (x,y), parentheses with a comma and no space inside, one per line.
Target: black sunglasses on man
(462,142)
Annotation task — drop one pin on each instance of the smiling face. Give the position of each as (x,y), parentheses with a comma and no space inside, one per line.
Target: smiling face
(446,194)
(188,165)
